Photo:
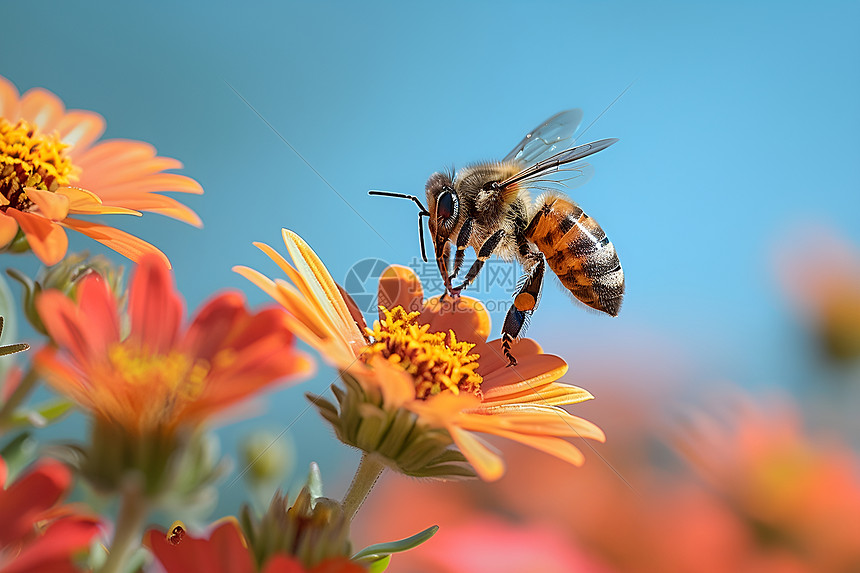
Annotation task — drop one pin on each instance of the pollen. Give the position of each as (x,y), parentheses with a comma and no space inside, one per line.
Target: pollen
(173,374)
(437,361)
(30,159)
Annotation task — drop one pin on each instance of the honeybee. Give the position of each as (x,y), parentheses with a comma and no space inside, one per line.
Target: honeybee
(488,206)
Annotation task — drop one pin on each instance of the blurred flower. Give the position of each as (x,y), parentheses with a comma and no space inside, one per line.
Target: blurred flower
(794,495)
(149,389)
(822,278)
(35,533)
(419,381)
(225,550)
(51,167)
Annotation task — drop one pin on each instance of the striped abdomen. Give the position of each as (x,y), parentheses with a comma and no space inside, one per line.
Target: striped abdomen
(578,252)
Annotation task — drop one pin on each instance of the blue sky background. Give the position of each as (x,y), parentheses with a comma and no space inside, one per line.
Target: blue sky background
(738,135)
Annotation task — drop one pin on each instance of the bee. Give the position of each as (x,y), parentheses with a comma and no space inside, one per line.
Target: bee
(488,206)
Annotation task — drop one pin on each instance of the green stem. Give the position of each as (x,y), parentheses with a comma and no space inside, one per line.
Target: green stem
(368,472)
(129,530)
(17,398)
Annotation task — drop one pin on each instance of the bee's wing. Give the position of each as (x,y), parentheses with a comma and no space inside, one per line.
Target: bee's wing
(547,138)
(568,160)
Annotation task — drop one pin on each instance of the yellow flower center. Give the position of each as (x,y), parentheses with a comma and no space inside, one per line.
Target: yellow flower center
(436,360)
(30,159)
(173,374)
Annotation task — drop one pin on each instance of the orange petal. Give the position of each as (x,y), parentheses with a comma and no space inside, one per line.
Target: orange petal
(46,238)
(147,184)
(549,394)
(325,290)
(531,419)
(303,321)
(493,358)
(400,286)
(488,464)
(466,316)
(551,445)
(8,100)
(53,206)
(83,202)
(313,307)
(120,241)
(108,155)
(8,227)
(529,373)
(137,167)
(80,129)
(154,203)
(41,107)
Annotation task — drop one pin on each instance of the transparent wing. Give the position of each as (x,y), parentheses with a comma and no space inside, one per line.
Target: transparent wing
(566,162)
(547,138)
(567,177)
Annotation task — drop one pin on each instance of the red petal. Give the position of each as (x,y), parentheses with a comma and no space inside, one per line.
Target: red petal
(83,330)
(23,501)
(155,306)
(53,550)
(223,552)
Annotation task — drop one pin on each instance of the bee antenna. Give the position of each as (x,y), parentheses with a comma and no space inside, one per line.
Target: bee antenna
(421,234)
(422,213)
(412,198)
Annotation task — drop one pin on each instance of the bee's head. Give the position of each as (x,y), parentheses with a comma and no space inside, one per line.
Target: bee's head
(444,207)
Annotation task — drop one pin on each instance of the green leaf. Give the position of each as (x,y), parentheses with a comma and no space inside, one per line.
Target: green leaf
(18,454)
(42,414)
(373,553)
(380,565)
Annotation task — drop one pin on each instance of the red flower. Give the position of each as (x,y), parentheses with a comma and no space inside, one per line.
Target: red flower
(226,551)
(161,375)
(36,534)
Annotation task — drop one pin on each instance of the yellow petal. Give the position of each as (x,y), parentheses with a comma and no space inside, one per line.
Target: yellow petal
(552,394)
(53,206)
(326,291)
(488,464)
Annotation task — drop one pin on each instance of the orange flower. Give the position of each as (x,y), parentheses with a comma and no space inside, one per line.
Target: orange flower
(801,496)
(226,551)
(51,167)
(161,375)
(433,365)
(35,533)
(822,279)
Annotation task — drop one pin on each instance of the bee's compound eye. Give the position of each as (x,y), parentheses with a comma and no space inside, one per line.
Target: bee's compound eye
(445,205)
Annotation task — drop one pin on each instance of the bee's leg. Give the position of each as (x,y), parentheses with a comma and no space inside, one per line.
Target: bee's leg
(525,302)
(462,243)
(442,263)
(483,254)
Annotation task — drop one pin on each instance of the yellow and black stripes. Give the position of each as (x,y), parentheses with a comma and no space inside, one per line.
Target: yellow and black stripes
(579,253)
